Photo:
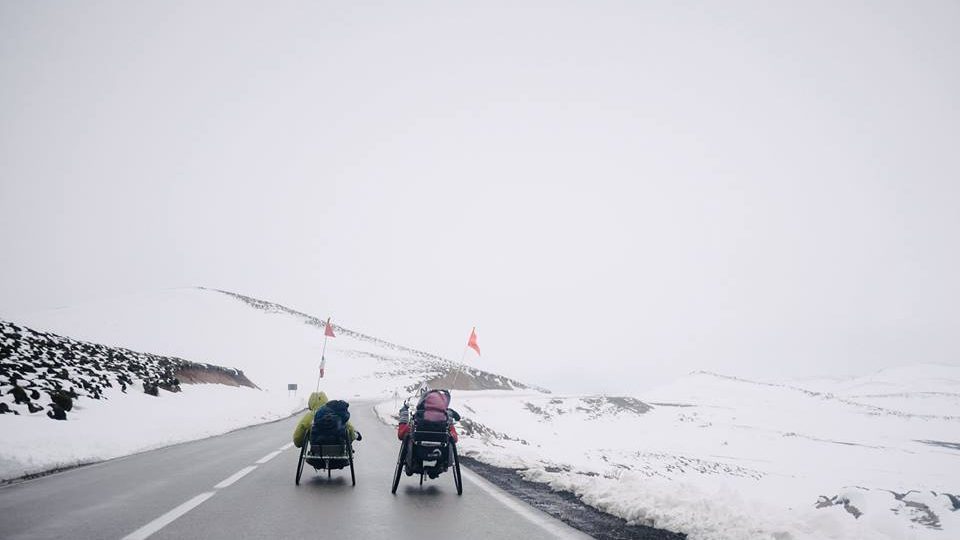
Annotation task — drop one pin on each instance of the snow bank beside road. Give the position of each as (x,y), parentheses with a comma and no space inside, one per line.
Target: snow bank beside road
(724,458)
(134,422)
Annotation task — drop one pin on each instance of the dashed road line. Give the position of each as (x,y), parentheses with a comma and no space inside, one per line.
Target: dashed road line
(169,517)
(286,446)
(234,477)
(268,457)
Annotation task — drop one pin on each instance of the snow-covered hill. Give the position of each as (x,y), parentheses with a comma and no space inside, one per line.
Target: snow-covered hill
(721,457)
(271,344)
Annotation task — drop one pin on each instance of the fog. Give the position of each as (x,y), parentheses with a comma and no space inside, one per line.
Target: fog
(613,193)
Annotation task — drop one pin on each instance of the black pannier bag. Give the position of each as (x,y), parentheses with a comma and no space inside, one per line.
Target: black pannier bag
(330,423)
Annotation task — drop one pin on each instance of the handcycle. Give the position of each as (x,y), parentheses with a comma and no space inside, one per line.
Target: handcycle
(327,454)
(429,450)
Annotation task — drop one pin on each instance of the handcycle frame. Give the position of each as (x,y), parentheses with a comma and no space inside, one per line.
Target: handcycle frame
(434,440)
(326,457)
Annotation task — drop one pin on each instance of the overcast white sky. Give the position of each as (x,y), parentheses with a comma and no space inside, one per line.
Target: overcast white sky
(614,193)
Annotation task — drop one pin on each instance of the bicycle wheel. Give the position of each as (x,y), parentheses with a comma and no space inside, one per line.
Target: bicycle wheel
(457,478)
(303,451)
(396,475)
(353,477)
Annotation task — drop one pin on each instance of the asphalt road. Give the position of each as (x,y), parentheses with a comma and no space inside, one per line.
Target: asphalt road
(240,485)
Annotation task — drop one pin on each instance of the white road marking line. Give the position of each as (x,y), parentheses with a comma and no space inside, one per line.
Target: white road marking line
(235,476)
(555,527)
(268,457)
(169,517)
(286,446)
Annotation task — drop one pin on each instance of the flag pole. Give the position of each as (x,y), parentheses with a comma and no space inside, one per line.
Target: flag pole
(327,333)
(457,373)
(323,354)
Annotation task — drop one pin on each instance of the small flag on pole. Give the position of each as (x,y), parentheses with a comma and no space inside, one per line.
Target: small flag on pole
(472,342)
(328,331)
(323,366)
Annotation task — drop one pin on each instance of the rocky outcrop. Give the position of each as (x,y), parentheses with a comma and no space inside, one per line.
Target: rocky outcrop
(45,371)
(210,374)
(473,379)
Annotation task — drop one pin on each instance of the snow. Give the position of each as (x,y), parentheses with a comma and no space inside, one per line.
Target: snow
(713,456)
(719,457)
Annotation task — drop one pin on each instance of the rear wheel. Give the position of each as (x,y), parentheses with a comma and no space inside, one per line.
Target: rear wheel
(353,477)
(303,451)
(457,479)
(396,475)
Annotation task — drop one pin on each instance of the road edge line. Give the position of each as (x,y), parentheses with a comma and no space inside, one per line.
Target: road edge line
(543,520)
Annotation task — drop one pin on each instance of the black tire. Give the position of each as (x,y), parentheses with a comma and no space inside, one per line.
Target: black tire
(457,479)
(303,451)
(353,477)
(396,475)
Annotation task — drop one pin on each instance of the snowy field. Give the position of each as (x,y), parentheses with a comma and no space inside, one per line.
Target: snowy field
(724,458)
(713,456)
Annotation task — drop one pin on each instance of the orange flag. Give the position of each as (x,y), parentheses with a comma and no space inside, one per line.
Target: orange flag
(328,331)
(472,342)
